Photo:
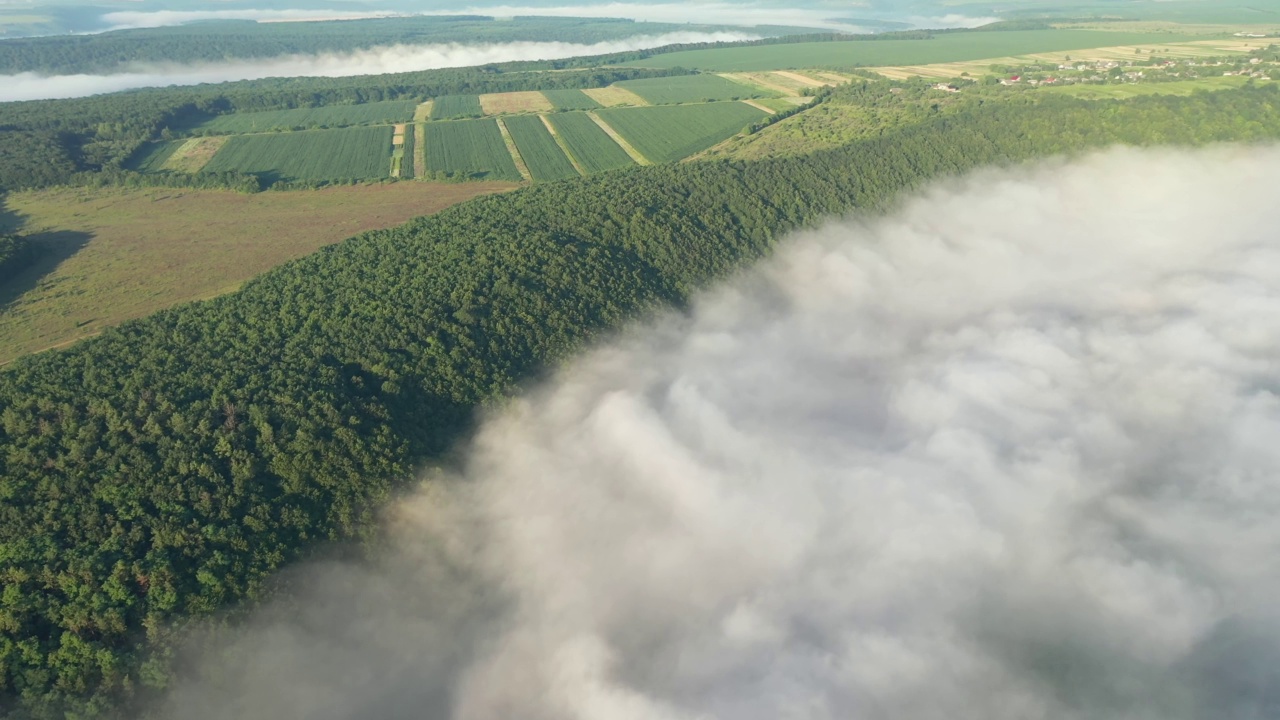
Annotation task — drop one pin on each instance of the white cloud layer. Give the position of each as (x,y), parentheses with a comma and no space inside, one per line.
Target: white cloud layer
(375,61)
(1010,453)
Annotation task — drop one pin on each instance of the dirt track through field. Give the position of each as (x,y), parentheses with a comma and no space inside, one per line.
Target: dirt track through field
(564,148)
(758,106)
(622,143)
(515,151)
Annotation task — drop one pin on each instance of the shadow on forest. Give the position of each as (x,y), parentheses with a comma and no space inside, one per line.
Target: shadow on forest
(51,249)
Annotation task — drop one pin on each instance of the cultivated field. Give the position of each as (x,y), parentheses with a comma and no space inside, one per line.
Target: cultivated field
(539,150)
(570,100)
(692,88)
(474,148)
(941,49)
(347,154)
(113,254)
(588,145)
(514,102)
(668,133)
(614,96)
(332,116)
(448,107)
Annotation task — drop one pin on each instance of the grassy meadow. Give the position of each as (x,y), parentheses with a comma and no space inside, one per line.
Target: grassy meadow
(1129,90)
(110,255)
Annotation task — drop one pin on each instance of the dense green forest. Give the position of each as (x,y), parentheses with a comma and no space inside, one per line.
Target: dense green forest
(226,40)
(50,142)
(166,468)
(16,253)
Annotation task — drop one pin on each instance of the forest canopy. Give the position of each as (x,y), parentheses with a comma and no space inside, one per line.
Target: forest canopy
(167,468)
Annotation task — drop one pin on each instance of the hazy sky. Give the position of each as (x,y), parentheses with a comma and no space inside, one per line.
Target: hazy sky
(1008,453)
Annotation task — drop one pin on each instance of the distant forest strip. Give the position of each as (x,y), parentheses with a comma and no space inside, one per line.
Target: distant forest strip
(164,470)
(54,142)
(210,42)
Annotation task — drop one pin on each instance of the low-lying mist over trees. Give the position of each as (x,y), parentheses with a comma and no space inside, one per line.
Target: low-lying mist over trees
(1008,450)
(374,61)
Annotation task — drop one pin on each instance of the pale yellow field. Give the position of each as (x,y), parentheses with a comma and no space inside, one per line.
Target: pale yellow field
(1170,51)
(397,139)
(802,79)
(515,102)
(423,112)
(763,80)
(614,96)
(836,78)
(194,154)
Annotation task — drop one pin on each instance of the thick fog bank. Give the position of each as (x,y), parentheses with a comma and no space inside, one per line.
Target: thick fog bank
(375,61)
(1013,452)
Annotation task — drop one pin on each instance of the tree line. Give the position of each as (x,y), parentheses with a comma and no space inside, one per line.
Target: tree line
(209,42)
(165,469)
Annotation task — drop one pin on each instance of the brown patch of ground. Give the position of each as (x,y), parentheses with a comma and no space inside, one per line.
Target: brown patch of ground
(123,254)
(613,96)
(515,102)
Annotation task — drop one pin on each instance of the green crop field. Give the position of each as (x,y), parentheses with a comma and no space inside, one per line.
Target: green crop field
(1128,90)
(570,100)
(954,47)
(470,147)
(153,156)
(396,111)
(448,107)
(407,152)
(348,154)
(592,147)
(541,154)
(691,88)
(671,132)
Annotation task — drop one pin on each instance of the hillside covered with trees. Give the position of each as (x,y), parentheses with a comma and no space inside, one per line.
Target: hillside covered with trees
(165,469)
